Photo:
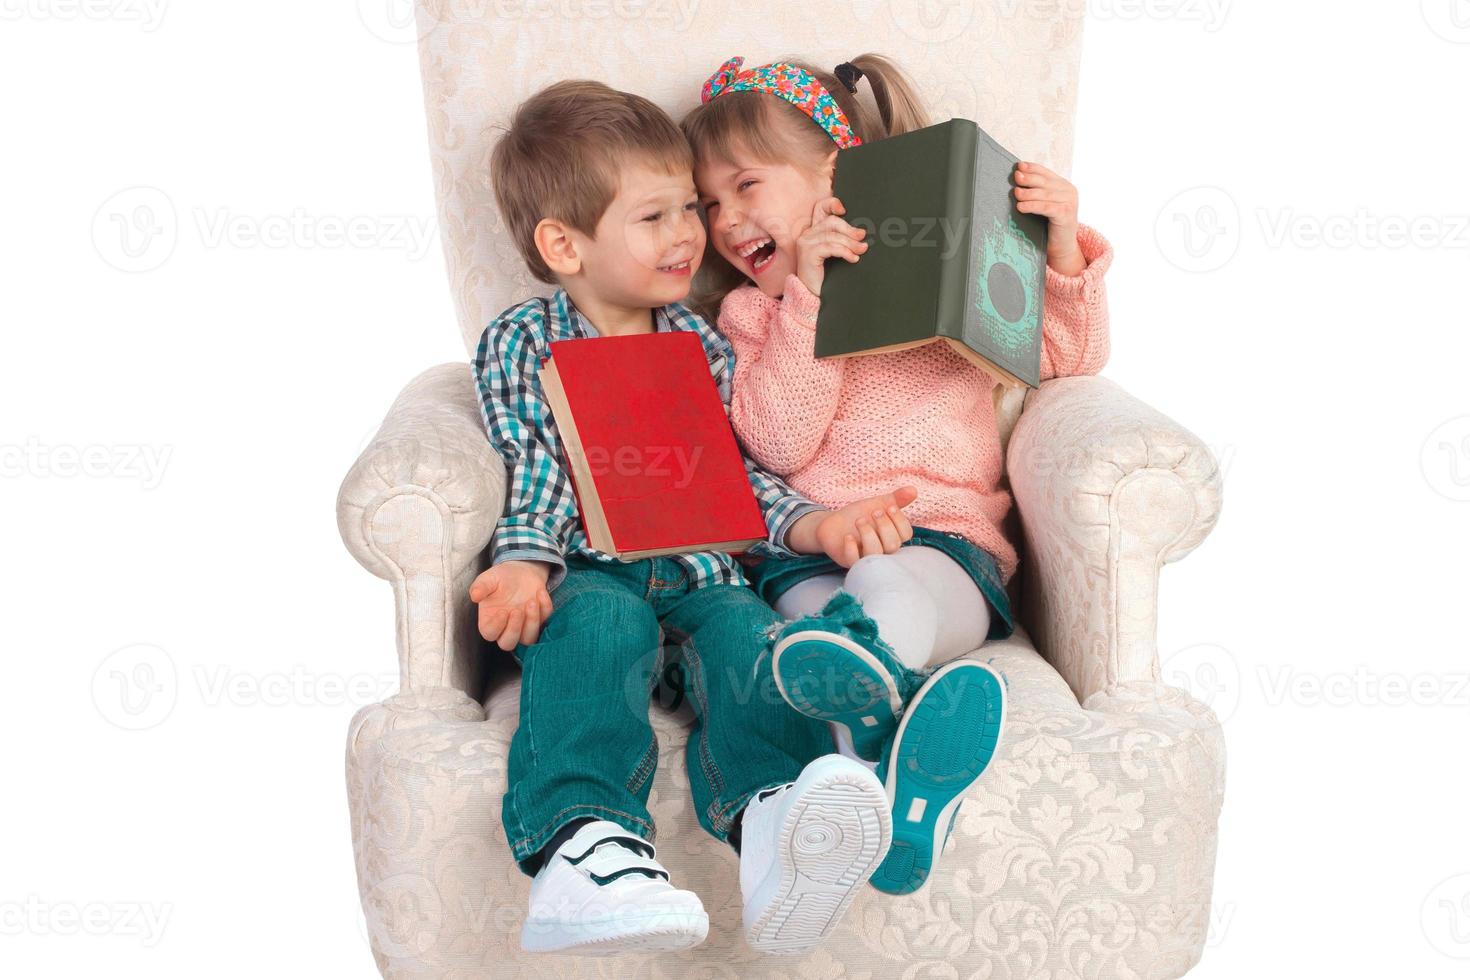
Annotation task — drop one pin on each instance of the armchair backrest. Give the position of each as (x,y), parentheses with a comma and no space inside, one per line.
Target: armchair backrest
(1011,65)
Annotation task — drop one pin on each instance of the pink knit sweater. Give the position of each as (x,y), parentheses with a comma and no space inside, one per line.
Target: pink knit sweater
(841,429)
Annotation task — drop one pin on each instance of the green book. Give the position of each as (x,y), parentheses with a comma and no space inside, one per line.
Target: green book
(949,256)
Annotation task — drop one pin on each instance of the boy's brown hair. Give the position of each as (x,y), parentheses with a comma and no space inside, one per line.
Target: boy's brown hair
(562,154)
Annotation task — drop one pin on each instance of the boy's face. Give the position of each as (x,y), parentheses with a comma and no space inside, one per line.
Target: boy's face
(757,210)
(649,242)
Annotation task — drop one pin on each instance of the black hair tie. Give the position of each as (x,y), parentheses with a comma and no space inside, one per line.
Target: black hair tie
(848,74)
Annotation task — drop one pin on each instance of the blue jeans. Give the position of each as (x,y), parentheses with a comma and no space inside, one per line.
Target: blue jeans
(585,748)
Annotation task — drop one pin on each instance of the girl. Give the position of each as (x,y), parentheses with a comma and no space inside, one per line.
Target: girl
(874,648)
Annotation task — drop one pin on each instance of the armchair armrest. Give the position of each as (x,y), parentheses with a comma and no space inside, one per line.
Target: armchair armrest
(1108,490)
(417,509)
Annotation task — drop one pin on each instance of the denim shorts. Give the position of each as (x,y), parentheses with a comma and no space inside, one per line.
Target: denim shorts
(773,576)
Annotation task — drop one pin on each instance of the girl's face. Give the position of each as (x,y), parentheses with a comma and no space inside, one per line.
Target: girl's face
(757,210)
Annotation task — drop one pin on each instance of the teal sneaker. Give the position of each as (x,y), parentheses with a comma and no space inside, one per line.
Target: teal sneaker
(833,667)
(945,741)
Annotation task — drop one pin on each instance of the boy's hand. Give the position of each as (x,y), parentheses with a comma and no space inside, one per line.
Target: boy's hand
(875,526)
(1039,191)
(513,602)
(826,237)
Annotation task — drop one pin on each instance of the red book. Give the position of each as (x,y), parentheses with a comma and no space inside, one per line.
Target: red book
(654,462)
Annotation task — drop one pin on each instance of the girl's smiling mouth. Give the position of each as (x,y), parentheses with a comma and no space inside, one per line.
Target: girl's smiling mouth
(757,253)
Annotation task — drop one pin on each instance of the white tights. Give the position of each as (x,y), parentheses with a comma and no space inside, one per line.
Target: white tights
(927,607)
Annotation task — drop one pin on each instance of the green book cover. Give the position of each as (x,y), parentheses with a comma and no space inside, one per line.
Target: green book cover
(949,257)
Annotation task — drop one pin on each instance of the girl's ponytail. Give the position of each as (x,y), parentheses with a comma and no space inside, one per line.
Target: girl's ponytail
(899,108)
(773,129)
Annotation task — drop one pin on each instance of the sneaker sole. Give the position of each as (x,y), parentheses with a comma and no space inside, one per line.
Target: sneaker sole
(866,703)
(832,840)
(944,743)
(652,932)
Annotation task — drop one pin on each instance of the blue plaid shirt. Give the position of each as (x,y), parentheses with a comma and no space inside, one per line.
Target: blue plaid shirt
(540,522)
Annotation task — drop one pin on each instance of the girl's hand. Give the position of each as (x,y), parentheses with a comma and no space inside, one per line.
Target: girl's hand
(1039,191)
(828,236)
(874,526)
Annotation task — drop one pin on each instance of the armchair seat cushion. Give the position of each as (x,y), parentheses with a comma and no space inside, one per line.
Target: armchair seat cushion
(1086,850)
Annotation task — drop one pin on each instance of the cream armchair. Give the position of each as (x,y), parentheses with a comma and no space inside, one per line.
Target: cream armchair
(1087,850)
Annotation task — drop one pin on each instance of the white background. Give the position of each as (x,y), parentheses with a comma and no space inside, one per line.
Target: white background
(186,638)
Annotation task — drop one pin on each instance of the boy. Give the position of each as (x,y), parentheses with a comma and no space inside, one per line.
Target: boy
(597,190)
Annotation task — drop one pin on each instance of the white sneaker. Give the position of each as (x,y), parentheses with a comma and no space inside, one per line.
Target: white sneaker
(805,851)
(603,893)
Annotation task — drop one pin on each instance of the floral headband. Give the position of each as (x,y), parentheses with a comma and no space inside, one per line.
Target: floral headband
(790,82)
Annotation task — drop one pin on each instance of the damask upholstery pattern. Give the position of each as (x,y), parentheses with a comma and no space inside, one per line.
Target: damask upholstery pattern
(1087,851)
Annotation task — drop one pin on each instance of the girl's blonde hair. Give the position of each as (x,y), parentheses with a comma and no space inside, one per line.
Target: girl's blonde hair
(775,131)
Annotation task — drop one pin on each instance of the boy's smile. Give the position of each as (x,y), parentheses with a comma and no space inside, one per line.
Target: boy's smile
(649,241)
(646,248)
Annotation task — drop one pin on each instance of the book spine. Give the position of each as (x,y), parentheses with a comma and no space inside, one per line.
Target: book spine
(959,231)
